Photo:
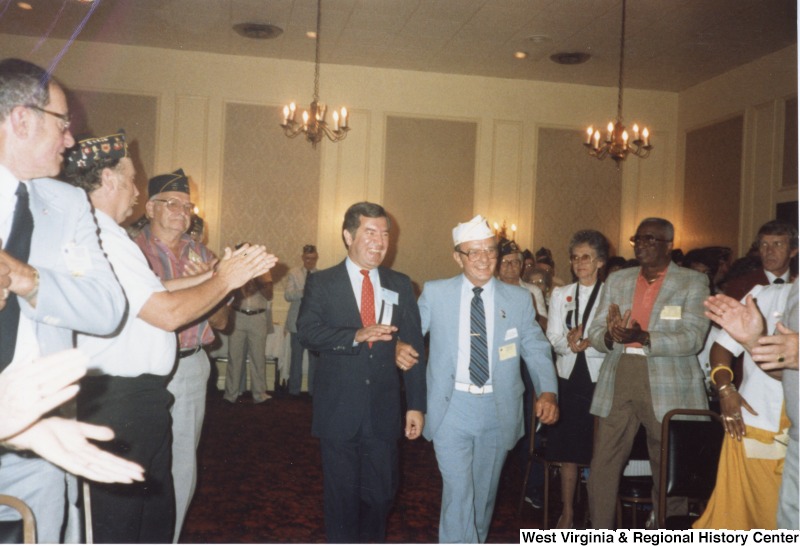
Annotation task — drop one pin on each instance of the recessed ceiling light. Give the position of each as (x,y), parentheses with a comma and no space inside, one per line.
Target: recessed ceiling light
(520,54)
(24,5)
(311,34)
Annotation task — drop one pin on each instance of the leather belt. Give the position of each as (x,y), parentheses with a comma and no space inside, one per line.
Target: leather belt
(634,351)
(474,389)
(250,312)
(183,353)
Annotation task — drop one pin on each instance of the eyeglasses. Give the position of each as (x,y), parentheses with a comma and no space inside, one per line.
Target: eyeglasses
(647,240)
(64,118)
(583,259)
(511,262)
(777,245)
(474,253)
(176,205)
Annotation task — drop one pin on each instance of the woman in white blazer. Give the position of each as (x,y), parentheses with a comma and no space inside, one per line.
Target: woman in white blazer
(572,309)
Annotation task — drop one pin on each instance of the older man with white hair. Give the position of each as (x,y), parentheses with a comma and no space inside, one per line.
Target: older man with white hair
(479,330)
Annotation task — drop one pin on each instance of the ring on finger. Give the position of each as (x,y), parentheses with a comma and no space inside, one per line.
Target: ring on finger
(781,359)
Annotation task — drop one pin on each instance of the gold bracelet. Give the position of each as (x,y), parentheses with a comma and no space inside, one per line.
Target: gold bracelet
(718,368)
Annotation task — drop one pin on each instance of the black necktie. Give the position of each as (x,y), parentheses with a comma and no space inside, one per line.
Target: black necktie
(18,246)
(778,281)
(478,350)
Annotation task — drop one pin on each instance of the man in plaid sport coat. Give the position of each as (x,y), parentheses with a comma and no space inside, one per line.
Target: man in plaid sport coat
(650,322)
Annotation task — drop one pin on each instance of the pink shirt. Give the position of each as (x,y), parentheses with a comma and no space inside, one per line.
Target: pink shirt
(644,297)
(166,265)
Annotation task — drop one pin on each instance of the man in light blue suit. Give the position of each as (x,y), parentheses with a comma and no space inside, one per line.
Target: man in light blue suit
(474,384)
(60,278)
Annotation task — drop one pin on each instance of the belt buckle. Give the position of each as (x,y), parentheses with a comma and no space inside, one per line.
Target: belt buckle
(474,389)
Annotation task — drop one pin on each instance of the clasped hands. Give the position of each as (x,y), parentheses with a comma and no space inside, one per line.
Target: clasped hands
(576,341)
(617,329)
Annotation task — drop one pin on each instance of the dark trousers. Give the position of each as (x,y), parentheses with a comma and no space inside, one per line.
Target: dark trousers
(137,409)
(360,478)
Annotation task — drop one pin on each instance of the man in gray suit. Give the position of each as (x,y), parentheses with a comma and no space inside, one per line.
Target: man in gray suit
(650,322)
(295,285)
(474,383)
(60,279)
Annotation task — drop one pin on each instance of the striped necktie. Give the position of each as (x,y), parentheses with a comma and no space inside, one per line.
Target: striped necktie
(478,348)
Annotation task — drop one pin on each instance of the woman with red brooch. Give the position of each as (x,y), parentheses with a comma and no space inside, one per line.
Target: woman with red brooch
(572,309)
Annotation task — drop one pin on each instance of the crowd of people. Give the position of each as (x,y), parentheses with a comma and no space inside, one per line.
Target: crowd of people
(84,303)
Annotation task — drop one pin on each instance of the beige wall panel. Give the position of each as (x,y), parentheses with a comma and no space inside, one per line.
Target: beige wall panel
(428,188)
(506,174)
(189,151)
(789,171)
(270,190)
(760,171)
(758,90)
(573,192)
(713,183)
(100,113)
(345,180)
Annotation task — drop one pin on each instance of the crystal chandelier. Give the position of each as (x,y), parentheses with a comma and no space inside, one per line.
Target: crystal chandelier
(617,142)
(313,124)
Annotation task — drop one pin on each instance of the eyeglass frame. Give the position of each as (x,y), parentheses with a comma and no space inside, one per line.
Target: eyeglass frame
(173,200)
(473,253)
(776,245)
(582,259)
(650,240)
(512,261)
(65,118)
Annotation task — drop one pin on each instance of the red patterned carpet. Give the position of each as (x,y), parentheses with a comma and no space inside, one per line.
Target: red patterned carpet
(260,481)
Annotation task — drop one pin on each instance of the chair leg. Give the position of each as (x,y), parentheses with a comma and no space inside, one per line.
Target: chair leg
(524,485)
(546,522)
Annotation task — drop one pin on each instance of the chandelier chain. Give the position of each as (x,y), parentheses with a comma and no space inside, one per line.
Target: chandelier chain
(621,63)
(316,52)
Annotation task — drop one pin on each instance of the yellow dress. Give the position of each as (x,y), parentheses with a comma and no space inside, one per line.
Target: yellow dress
(746,494)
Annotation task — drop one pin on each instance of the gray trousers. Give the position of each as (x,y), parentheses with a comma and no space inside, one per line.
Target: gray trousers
(789,501)
(249,337)
(470,458)
(43,488)
(188,386)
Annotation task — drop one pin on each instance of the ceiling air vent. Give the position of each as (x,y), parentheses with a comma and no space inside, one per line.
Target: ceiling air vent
(570,58)
(258,31)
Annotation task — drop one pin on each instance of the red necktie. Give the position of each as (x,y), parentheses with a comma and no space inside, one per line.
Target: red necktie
(367,301)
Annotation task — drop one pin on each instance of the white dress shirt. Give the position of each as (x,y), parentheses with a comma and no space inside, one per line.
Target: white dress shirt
(139,347)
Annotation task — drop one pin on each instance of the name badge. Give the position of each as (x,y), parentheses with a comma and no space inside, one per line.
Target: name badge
(386,313)
(508,351)
(390,296)
(77,259)
(671,312)
(511,333)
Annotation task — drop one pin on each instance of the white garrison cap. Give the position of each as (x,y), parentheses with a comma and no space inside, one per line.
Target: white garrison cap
(476,229)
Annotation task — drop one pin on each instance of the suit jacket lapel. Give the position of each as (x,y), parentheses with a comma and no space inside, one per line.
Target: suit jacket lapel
(348,297)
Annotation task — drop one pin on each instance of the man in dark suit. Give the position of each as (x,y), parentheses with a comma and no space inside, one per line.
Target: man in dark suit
(353,314)
(777,245)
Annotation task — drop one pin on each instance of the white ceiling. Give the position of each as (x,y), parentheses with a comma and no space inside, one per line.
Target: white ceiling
(671,44)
